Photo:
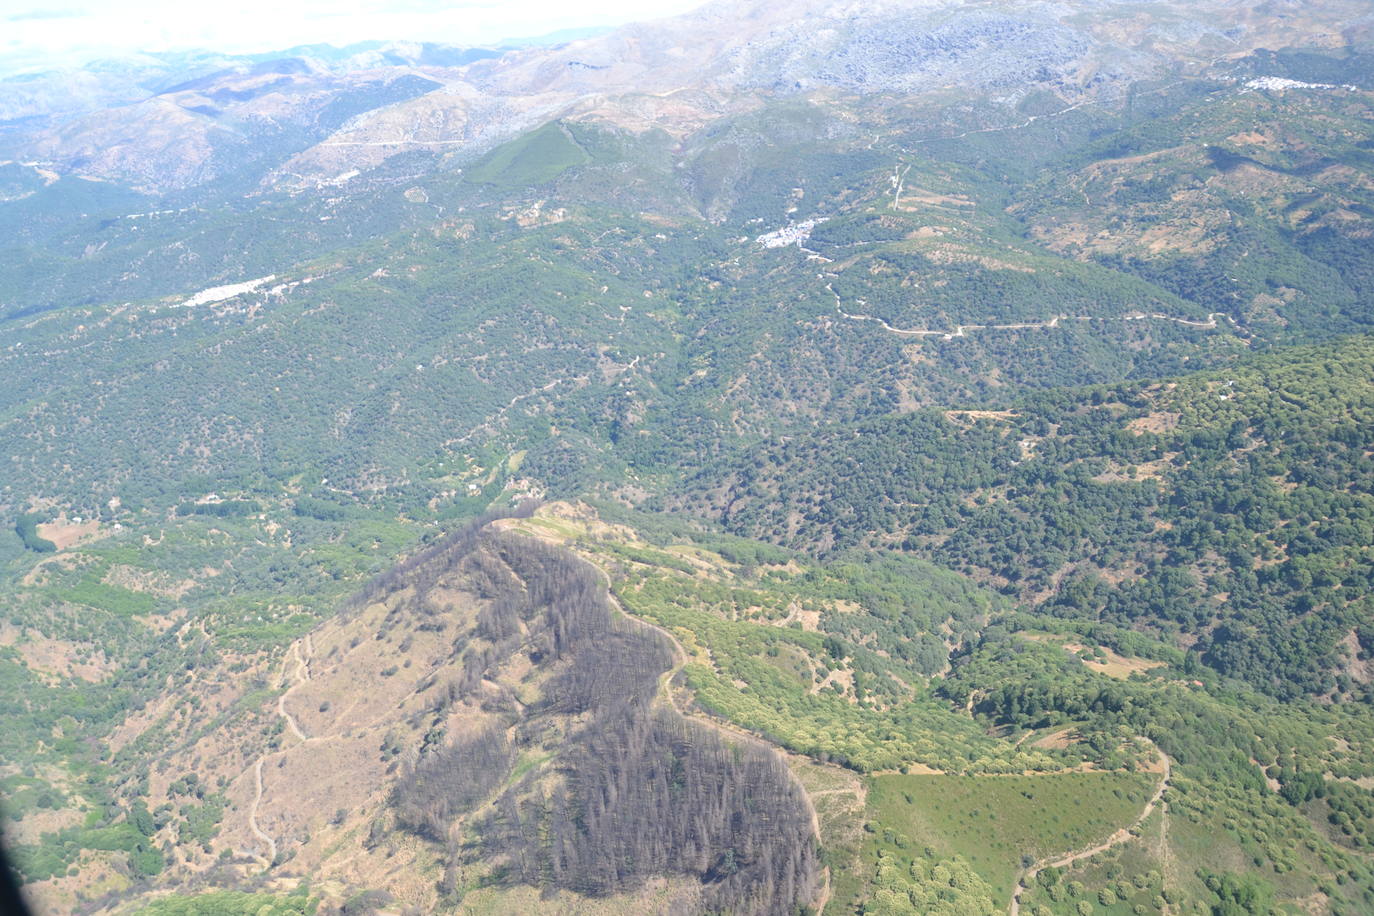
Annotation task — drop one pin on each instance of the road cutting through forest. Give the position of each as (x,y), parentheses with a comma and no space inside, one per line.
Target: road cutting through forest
(1211,323)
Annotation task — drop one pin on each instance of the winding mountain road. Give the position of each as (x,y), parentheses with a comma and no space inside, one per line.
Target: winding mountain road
(1210,323)
(253,814)
(302,675)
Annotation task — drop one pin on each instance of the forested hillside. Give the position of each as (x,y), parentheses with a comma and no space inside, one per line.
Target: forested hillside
(1227,512)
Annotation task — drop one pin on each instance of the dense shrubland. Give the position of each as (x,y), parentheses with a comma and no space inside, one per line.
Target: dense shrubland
(1245,520)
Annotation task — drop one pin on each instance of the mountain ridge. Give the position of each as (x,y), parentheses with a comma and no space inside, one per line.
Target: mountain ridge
(893,47)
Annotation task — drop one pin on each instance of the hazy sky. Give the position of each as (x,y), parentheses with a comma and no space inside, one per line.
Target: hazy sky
(61,29)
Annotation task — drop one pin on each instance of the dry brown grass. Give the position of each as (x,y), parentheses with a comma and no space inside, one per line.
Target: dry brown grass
(916,199)
(1113,665)
(60,658)
(65,533)
(960,416)
(1056,739)
(1156,422)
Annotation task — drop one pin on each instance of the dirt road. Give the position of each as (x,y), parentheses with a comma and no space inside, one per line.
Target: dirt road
(1121,836)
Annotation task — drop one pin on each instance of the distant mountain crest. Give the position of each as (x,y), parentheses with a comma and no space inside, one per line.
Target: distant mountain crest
(717,59)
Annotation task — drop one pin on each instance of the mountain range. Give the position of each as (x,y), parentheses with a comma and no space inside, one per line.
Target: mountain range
(846,457)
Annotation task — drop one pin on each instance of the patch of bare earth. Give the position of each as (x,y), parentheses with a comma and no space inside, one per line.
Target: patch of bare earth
(1113,665)
(915,199)
(67,533)
(1358,665)
(949,254)
(964,416)
(37,823)
(1156,422)
(1057,739)
(308,744)
(841,676)
(60,658)
(810,619)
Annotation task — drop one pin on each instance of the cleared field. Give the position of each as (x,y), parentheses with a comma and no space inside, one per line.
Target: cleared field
(995,821)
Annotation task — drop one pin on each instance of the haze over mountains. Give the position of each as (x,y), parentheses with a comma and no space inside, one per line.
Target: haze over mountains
(920,453)
(326,112)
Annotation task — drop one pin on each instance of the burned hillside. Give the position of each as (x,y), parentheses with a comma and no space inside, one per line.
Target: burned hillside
(625,788)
